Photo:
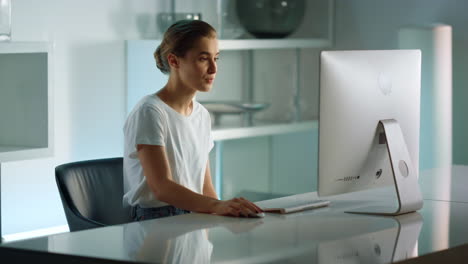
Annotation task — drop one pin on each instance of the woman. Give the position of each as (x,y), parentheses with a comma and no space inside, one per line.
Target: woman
(168,134)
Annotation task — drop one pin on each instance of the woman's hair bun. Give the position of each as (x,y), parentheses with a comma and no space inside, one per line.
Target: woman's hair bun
(178,39)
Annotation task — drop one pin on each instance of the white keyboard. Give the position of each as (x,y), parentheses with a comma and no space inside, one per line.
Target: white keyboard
(290,206)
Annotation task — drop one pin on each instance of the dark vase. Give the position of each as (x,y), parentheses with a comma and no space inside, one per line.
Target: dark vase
(270,18)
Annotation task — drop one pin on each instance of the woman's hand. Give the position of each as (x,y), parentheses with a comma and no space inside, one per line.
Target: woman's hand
(236,207)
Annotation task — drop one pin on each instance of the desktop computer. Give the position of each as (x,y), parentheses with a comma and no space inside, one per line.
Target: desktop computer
(369,125)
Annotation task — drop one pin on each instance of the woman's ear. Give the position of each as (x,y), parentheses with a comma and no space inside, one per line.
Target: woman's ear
(173,61)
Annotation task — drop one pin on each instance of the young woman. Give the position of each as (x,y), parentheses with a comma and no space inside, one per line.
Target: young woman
(168,134)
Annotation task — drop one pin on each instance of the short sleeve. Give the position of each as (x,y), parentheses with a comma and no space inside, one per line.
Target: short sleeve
(147,126)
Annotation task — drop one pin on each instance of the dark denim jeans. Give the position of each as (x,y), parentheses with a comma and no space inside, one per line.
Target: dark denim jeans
(139,213)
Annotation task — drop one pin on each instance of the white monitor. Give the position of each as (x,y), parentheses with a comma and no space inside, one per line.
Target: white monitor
(369,124)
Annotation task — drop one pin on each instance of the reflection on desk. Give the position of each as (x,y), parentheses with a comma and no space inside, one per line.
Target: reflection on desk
(187,242)
(389,245)
(160,246)
(286,238)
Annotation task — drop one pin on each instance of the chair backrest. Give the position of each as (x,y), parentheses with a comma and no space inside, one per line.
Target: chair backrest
(91,193)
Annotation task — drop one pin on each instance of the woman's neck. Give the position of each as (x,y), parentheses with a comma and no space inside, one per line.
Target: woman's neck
(178,97)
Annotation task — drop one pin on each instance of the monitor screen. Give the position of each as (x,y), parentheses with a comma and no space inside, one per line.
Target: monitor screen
(357,90)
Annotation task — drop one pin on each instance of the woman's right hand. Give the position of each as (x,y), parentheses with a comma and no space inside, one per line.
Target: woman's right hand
(238,207)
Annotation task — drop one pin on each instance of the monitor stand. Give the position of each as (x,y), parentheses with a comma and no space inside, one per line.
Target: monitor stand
(404,173)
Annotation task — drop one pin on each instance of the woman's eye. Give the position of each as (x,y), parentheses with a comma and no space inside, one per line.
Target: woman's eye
(203,59)
(216,58)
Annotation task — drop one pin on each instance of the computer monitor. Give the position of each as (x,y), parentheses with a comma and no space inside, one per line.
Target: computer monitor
(369,124)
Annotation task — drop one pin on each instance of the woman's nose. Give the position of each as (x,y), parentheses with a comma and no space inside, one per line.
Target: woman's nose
(213,67)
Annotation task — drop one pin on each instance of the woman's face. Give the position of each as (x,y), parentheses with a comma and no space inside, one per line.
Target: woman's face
(197,69)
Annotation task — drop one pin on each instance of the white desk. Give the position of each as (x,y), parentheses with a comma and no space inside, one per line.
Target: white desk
(326,235)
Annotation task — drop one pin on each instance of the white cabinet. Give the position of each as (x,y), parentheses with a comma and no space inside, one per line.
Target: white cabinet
(26,121)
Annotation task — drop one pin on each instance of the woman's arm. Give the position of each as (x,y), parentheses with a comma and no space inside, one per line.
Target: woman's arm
(159,178)
(208,188)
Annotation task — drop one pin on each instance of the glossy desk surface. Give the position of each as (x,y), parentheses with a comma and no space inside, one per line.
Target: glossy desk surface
(326,235)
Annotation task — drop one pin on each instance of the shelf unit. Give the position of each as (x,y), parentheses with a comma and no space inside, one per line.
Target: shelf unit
(141,72)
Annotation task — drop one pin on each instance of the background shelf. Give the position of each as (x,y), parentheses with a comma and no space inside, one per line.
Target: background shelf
(254,44)
(221,133)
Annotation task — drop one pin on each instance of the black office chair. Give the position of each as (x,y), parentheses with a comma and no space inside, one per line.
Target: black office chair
(91,193)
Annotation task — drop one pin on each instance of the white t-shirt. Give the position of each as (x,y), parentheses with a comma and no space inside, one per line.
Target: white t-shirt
(187,140)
